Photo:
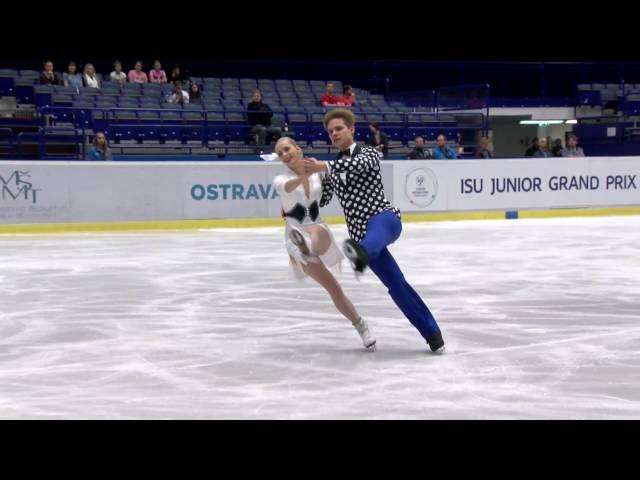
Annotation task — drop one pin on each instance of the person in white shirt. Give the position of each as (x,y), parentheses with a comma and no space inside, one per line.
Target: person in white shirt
(118,75)
(89,79)
(309,242)
(180,97)
(572,149)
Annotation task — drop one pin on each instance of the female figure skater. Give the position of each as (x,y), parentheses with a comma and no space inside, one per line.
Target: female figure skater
(311,247)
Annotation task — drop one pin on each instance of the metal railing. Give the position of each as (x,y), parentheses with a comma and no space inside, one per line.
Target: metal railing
(222,130)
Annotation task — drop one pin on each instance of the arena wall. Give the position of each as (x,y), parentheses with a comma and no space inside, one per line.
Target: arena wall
(48,192)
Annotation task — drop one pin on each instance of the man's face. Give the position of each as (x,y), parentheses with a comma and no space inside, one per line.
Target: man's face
(341,135)
(542,143)
(330,88)
(419,142)
(441,140)
(256,97)
(573,142)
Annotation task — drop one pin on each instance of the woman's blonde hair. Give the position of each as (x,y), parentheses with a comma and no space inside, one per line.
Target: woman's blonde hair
(289,139)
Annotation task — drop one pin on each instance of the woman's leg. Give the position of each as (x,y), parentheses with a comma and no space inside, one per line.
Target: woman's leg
(323,276)
(320,239)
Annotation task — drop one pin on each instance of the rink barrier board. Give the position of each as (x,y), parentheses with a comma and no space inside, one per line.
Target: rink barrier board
(176,225)
(38,196)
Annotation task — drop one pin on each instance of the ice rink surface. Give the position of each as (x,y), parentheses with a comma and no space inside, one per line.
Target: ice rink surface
(541,318)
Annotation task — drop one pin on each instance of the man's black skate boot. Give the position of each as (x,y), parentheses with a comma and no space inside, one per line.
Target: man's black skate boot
(356,255)
(436,343)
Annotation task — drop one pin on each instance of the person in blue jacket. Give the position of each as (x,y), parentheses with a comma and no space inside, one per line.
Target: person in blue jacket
(442,151)
(100,149)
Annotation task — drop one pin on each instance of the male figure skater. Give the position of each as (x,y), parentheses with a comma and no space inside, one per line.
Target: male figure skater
(372,221)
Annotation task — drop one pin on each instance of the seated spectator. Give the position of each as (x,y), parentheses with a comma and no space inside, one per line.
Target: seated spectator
(137,75)
(118,75)
(259,115)
(195,95)
(157,75)
(71,78)
(419,152)
(329,99)
(538,148)
(543,151)
(348,97)
(485,149)
(89,79)
(100,149)
(177,76)
(533,148)
(378,139)
(556,150)
(48,76)
(442,150)
(180,97)
(572,149)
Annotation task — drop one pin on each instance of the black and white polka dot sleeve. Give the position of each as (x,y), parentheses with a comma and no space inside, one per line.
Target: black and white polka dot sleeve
(327,190)
(367,159)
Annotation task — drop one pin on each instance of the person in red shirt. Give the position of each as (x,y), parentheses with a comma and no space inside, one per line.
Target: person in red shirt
(348,96)
(329,99)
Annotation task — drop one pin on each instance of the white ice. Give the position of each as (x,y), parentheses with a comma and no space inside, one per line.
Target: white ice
(541,320)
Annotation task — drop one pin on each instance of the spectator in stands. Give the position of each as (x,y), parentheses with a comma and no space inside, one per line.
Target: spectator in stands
(556,150)
(533,148)
(259,115)
(89,78)
(542,148)
(378,139)
(572,149)
(71,78)
(195,95)
(157,75)
(544,151)
(485,149)
(348,97)
(180,97)
(419,151)
(442,150)
(100,149)
(137,75)
(118,75)
(538,148)
(329,99)
(48,76)
(176,76)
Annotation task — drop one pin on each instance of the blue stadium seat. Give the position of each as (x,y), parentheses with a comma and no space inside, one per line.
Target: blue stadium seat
(149,133)
(126,133)
(172,134)
(216,132)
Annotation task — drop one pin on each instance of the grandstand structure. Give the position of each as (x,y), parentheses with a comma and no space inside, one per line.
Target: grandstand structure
(138,119)
(57,122)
